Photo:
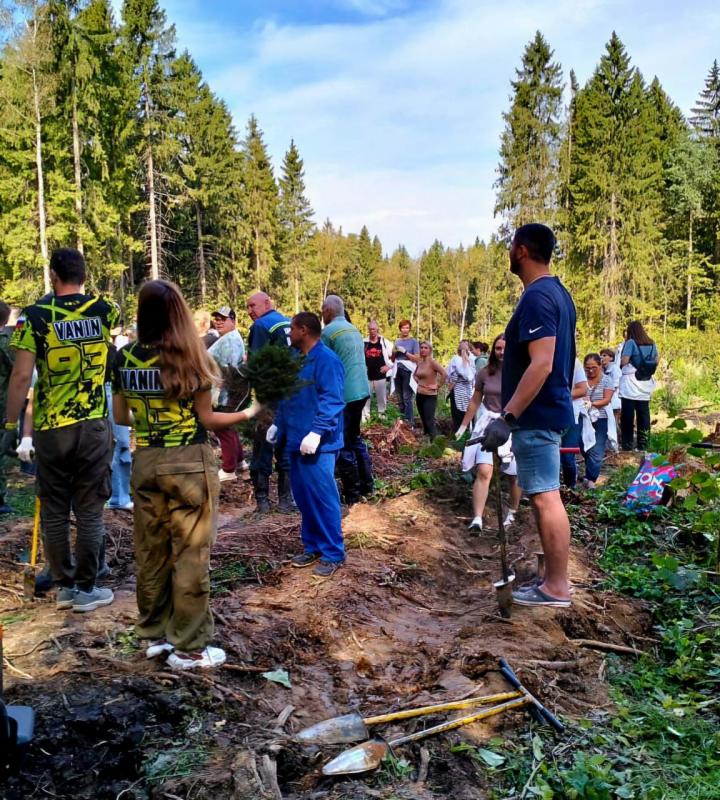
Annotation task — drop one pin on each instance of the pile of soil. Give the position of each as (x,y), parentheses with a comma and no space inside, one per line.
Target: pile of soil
(409,620)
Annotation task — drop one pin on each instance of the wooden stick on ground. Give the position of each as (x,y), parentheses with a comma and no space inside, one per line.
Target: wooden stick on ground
(593,644)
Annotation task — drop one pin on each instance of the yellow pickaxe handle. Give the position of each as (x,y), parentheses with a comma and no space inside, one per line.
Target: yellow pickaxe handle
(35,534)
(435,709)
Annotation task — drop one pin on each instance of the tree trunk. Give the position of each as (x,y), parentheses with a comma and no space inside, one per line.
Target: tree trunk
(688,303)
(296,273)
(42,222)
(201,253)
(152,216)
(417,318)
(611,275)
(78,173)
(464,315)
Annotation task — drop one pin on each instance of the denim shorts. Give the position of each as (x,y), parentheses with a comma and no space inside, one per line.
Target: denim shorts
(537,453)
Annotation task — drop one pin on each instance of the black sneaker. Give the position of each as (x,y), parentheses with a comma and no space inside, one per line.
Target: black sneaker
(327,568)
(305,559)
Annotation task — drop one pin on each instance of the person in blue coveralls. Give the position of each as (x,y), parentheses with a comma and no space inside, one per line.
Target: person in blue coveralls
(269,327)
(311,422)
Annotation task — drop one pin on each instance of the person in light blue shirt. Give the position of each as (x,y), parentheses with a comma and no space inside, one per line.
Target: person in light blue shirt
(311,422)
(341,336)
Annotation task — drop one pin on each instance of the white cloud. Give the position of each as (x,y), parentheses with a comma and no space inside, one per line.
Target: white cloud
(398,118)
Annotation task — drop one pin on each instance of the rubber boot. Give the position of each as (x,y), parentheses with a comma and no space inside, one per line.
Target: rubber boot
(261,484)
(286,504)
(347,471)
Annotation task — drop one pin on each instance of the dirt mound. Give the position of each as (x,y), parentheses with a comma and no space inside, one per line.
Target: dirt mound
(410,619)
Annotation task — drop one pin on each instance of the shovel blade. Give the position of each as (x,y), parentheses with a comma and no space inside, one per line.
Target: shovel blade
(361,758)
(338,730)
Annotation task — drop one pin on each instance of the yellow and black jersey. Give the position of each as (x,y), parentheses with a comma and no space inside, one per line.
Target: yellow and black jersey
(158,421)
(69,336)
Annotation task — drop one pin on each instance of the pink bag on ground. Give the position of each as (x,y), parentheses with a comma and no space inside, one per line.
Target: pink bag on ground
(648,487)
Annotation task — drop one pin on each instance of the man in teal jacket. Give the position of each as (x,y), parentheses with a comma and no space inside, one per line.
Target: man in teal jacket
(354,465)
(311,423)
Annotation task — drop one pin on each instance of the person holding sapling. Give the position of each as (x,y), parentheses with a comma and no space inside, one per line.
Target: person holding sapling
(638,361)
(311,421)
(269,328)
(406,354)
(165,380)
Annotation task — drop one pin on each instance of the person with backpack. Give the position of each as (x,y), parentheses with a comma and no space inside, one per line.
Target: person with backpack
(638,360)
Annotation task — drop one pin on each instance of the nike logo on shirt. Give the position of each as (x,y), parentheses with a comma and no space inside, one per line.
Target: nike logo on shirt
(533,330)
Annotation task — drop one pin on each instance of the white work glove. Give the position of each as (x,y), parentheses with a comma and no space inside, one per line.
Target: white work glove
(460,431)
(253,409)
(400,349)
(272,435)
(310,444)
(25,450)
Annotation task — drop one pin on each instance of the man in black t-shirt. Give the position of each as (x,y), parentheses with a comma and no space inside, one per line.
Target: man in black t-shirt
(378,361)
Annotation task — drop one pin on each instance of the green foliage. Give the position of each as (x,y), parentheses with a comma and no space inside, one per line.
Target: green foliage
(273,373)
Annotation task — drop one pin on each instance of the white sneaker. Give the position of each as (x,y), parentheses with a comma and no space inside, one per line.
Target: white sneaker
(509,518)
(226,476)
(476,524)
(159,647)
(203,659)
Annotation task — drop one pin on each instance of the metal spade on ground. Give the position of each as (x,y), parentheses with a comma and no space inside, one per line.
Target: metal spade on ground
(369,755)
(354,728)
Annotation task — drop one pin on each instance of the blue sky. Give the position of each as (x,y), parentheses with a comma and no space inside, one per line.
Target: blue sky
(395,105)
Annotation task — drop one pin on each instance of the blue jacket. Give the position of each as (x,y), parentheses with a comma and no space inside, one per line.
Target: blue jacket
(318,406)
(271,328)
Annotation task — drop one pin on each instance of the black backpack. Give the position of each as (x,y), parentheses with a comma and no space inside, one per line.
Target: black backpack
(645,365)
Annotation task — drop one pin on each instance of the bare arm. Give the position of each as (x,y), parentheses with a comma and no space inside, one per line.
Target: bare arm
(606,398)
(121,412)
(19,384)
(624,361)
(541,353)
(473,406)
(215,420)
(440,372)
(579,390)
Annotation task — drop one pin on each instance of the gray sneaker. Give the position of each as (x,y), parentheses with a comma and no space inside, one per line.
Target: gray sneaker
(65,597)
(96,597)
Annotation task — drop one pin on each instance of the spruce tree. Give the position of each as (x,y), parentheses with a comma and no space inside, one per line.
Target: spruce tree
(529,146)
(296,222)
(706,112)
(260,205)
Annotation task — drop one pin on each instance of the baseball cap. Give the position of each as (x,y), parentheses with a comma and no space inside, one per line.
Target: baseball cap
(224,311)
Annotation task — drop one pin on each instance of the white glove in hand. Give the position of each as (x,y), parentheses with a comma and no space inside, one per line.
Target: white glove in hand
(400,349)
(25,450)
(271,435)
(460,431)
(253,409)
(310,444)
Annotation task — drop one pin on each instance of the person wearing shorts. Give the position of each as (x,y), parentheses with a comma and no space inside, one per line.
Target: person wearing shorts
(537,407)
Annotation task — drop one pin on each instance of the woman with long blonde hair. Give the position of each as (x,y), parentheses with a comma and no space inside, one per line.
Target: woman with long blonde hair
(162,387)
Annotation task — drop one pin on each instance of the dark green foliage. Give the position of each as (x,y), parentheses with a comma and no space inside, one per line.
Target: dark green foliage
(273,373)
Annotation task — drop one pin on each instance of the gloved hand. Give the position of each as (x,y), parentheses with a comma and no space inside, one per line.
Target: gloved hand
(400,349)
(310,444)
(9,442)
(25,450)
(460,432)
(496,434)
(253,409)
(271,436)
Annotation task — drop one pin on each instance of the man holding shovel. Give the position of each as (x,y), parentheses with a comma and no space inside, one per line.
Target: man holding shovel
(537,407)
(67,335)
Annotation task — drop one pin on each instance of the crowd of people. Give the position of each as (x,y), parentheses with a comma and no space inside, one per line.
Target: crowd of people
(75,385)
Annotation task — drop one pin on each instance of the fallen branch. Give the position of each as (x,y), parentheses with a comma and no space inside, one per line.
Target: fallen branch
(593,644)
(560,666)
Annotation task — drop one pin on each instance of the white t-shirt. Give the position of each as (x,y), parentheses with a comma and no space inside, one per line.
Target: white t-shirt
(579,376)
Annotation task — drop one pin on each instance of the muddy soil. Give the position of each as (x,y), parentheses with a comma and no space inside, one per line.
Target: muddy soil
(409,620)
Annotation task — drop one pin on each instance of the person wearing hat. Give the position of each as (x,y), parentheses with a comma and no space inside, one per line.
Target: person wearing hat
(229,354)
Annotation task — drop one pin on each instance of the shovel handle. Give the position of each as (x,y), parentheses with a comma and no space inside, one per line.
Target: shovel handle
(454,705)
(518,702)
(513,679)
(35,534)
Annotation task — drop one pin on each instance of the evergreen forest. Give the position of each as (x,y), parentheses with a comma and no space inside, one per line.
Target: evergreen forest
(111,141)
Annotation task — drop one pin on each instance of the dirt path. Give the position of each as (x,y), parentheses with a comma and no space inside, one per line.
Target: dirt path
(410,619)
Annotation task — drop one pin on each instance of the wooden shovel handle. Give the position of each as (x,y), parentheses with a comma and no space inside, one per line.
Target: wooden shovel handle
(454,705)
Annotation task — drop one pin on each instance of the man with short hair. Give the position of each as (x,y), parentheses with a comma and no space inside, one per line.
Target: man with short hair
(537,408)
(228,353)
(341,336)
(6,366)
(273,328)
(67,334)
(311,421)
(378,364)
